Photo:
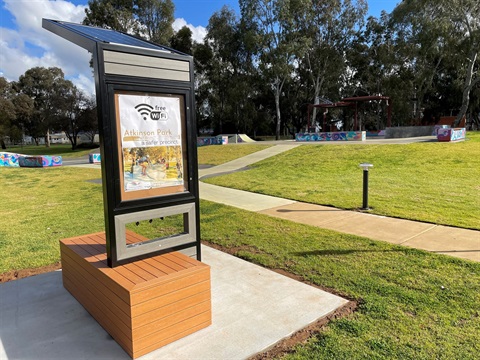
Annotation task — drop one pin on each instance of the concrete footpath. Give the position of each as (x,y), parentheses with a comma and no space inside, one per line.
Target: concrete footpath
(440,239)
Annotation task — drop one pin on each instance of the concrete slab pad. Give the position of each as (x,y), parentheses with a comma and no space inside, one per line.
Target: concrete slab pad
(240,199)
(446,240)
(253,308)
(41,320)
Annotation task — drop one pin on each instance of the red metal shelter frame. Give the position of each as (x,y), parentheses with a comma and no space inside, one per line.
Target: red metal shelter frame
(352,101)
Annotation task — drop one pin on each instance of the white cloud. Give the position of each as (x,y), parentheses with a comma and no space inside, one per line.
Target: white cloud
(18,55)
(198,32)
(29,45)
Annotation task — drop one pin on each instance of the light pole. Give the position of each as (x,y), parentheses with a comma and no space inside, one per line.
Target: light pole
(365,167)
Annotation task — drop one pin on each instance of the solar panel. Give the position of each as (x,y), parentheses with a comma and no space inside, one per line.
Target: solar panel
(91,35)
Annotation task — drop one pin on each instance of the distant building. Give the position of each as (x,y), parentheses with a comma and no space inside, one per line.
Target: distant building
(82,138)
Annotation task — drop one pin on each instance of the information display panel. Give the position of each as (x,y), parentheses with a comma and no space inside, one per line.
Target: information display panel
(152,138)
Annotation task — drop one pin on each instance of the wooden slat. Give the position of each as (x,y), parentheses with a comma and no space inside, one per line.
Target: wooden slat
(122,276)
(170,334)
(146,266)
(120,270)
(171,277)
(107,292)
(166,287)
(166,260)
(137,270)
(107,311)
(186,258)
(178,336)
(160,266)
(147,318)
(97,313)
(120,286)
(170,320)
(169,298)
(180,260)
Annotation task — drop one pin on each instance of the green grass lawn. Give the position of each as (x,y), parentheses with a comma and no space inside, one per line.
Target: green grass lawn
(220,154)
(432,182)
(412,304)
(40,206)
(64,150)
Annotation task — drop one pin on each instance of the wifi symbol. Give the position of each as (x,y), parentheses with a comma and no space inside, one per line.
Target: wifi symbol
(144,110)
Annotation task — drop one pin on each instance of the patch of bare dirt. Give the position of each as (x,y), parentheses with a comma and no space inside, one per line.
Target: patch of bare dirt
(20,274)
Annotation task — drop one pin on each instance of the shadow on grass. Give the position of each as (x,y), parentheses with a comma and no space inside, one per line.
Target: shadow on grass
(316,210)
(346,252)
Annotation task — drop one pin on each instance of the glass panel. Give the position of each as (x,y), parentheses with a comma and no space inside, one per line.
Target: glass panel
(154,229)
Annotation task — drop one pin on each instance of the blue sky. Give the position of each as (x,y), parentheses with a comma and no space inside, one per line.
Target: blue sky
(25,44)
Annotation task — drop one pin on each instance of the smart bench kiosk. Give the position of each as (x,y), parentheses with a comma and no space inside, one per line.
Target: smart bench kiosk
(147,129)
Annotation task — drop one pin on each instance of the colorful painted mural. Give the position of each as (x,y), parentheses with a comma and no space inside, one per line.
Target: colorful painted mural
(39,161)
(438,127)
(375,133)
(9,159)
(332,136)
(15,160)
(456,134)
(203,141)
(94,158)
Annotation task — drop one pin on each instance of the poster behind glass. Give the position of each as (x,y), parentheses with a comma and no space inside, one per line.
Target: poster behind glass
(152,137)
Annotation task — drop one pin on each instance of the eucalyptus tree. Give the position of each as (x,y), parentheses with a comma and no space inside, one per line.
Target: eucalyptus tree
(465,23)
(182,40)
(331,27)
(68,104)
(156,19)
(7,110)
(87,118)
(149,19)
(280,41)
(112,14)
(372,69)
(226,68)
(43,86)
(441,33)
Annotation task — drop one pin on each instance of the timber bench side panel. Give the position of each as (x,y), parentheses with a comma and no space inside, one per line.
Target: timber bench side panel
(143,305)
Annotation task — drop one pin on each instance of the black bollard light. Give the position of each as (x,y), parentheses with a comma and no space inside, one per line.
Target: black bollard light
(365,167)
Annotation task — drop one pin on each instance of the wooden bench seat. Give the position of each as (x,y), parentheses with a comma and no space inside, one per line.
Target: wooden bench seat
(143,305)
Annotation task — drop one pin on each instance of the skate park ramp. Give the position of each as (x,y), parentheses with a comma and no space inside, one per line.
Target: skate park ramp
(238,138)
(245,138)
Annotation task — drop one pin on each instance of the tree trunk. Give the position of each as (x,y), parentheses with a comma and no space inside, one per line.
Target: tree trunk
(4,147)
(47,139)
(277,108)
(278,90)
(318,86)
(467,87)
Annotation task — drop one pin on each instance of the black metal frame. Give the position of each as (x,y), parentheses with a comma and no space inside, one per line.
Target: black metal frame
(106,85)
